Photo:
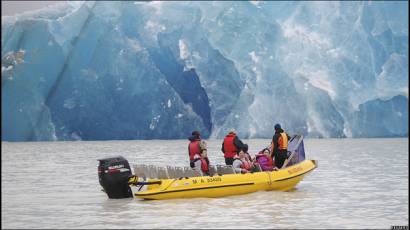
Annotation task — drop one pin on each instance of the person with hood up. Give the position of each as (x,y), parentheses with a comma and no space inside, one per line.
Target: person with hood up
(279,145)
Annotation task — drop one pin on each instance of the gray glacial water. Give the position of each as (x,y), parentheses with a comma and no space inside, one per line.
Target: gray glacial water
(359,183)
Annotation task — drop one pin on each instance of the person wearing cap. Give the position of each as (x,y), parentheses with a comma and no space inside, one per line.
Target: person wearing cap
(194,148)
(279,145)
(231,147)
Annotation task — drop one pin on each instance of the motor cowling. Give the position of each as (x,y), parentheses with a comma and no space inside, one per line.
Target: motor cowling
(113,174)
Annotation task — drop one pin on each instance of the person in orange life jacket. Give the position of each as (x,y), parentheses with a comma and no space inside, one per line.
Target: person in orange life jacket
(194,147)
(231,146)
(279,146)
(202,162)
(241,163)
(264,159)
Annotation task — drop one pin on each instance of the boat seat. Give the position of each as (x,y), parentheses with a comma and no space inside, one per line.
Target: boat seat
(171,172)
(225,169)
(175,172)
(152,171)
(139,171)
(147,171)
(179,172)
(162,173)
(189,172)
(212,170)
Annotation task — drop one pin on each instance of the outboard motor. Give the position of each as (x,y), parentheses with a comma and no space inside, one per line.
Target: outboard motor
(113,174)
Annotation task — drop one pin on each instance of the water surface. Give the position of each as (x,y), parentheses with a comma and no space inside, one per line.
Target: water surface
(359,183)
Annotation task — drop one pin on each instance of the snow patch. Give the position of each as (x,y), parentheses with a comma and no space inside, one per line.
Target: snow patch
(154,122)
(133,45)
(70,103)
(183,49)
(256,3)
(318,79)
(153,28)
(301,34)
(254,58)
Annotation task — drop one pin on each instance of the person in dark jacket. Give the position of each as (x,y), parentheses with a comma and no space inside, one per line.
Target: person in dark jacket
(231,147)
(279,146)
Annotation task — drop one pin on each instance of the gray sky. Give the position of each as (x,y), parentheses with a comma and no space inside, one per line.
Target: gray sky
(14,7)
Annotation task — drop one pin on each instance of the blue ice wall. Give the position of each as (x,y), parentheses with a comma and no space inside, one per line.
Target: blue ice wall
(158,70)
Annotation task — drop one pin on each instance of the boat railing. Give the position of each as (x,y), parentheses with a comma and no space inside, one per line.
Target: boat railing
(212,170)
(225,169)
(173,172)
(139,171)
(189,172)
(162,173)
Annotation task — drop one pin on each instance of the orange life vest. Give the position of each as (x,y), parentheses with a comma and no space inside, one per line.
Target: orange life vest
(283,141)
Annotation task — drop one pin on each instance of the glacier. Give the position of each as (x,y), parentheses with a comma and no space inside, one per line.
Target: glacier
(119,70)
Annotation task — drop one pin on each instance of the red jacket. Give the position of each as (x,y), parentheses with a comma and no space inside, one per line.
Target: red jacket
(194,149)
(204,165)
(229,147)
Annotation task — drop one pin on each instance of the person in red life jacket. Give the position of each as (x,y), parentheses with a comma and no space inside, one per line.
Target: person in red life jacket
(194,147)
(231,146)
(241,164)
(279,146)
(264,159)
(202,162)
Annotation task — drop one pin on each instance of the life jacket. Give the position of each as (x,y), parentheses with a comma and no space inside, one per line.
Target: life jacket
(245,164)
(229,147)
(194,149)
(204,164)
(283,141)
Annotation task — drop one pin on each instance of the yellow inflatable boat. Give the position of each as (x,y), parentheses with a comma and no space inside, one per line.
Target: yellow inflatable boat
(157,183)
(228,184)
